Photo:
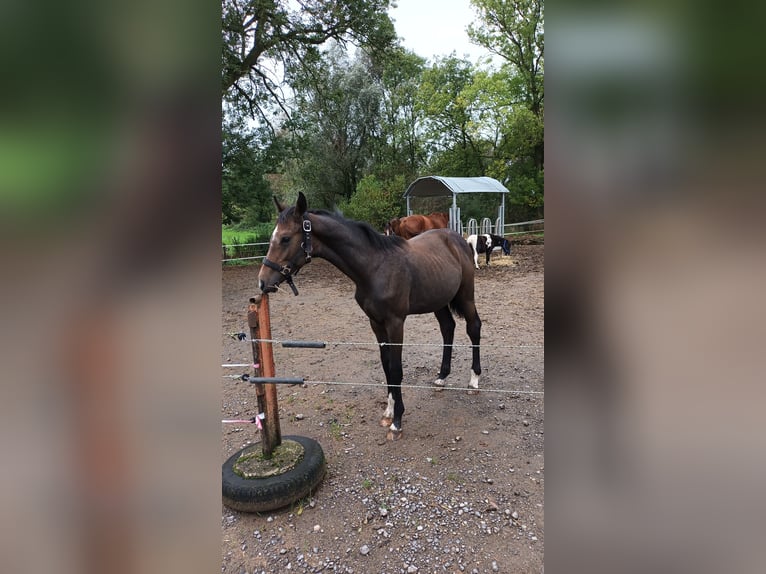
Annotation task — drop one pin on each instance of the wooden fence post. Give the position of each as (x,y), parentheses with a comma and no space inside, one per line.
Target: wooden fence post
(260,328)
(252,322)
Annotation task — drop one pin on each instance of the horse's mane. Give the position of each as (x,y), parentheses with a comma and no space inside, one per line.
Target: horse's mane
(368,233)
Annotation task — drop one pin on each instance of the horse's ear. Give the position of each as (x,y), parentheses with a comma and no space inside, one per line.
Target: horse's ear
(300,206)
(280,207)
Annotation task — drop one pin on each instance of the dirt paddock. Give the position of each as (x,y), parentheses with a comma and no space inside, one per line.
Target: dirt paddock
(462,491)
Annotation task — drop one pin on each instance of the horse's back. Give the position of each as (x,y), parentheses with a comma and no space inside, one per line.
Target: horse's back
(439,219)
(413,225)
(442,243)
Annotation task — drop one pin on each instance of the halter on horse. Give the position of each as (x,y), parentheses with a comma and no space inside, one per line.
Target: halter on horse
(432,273)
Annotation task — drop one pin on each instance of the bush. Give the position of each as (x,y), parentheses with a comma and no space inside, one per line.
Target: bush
(375,201)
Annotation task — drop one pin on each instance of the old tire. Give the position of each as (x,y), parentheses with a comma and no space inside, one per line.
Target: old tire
(270,493)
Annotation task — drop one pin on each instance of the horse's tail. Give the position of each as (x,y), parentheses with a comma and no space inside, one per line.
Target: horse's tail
(456,305)
(466,247)
(457,308)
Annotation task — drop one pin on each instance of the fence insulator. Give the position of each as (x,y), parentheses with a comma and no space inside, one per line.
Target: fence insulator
(275,380)
(305,344)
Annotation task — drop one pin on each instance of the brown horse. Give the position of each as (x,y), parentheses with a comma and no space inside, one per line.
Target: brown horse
(412,225)
(432,273)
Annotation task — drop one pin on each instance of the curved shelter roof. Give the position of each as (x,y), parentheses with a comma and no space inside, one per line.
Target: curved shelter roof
(436,186)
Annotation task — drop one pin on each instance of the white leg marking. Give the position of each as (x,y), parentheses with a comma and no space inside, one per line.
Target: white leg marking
(440,382)
(474,384)
(471,239)
(389,413)
(394,428)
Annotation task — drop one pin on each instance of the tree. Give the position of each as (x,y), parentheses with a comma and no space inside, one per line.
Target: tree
(513,134)
(399,147)
(336,119)
(513,29)
(375,201)
(245,192)
(449,120)
(355,126)
(266,41)
(516,162)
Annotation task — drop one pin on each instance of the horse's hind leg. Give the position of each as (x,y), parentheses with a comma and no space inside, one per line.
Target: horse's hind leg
(473,328)
(447,326)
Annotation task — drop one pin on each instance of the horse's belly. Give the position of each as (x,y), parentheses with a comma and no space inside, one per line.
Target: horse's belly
(433,297)
(437,269)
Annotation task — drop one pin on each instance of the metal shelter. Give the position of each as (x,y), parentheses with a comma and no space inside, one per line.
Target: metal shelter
(438,186)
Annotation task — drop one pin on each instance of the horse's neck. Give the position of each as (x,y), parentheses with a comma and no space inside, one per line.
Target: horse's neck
(338,243)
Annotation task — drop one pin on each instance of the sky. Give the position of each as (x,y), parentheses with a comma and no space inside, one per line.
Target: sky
(433,28)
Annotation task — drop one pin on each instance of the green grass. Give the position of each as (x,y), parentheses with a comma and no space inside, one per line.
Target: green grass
(232,234)
(515,234)
(335,430)
(239,235)
(244,263)
(455,477)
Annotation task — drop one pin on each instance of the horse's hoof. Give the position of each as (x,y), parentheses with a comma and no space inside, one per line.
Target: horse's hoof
(439,384)
(472,391)
(386,422)
(393,435)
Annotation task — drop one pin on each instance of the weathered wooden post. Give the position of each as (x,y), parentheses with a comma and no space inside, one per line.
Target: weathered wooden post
(263,359)
(252,322)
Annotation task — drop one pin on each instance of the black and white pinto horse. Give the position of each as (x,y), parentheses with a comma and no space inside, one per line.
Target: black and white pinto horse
(486,243)
(394,277)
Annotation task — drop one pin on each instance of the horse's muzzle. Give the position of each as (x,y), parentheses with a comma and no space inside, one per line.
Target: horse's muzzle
(267,289)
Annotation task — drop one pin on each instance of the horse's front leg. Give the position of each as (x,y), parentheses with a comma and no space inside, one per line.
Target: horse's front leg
(395,389)
(388,414)
(390,338)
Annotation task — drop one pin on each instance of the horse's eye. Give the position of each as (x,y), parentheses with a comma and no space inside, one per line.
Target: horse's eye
(285,240)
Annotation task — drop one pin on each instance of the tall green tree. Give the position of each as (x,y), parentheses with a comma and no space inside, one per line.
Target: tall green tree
(512,135)
(513,29)
(336,119)
(399,148)
(454,142)
(245,191)
(265,42)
